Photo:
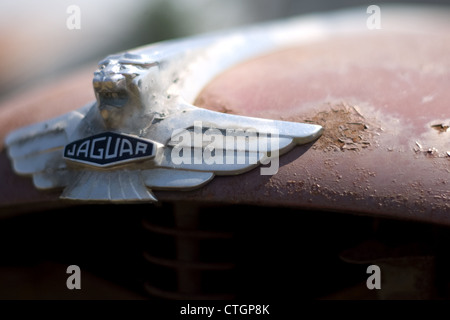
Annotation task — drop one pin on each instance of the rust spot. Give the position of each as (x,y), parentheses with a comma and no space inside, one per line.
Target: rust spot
(440,127)
(434,144)
(345,128)
(294,186)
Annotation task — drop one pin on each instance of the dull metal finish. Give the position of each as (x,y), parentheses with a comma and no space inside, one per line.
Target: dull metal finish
(383,100)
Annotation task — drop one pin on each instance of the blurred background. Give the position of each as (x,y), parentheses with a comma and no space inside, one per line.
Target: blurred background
(38,47)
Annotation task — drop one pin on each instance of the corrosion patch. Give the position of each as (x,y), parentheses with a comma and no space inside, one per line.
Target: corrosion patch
(345,128)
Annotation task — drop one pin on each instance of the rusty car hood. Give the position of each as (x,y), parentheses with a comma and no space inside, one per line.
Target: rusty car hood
(382,97)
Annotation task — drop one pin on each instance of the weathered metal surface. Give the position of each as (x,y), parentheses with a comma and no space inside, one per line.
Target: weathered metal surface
(382,97)
(383,102)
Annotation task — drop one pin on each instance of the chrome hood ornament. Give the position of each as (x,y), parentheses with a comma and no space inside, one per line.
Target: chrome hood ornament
(142,133)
